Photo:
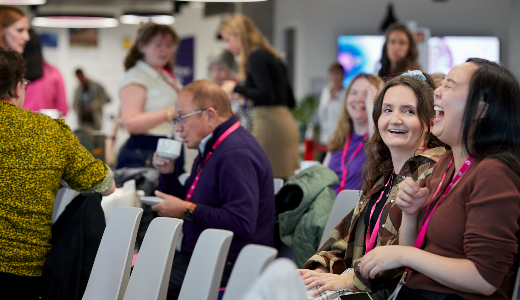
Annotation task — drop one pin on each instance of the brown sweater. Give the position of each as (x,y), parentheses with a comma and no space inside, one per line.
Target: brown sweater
(478,220)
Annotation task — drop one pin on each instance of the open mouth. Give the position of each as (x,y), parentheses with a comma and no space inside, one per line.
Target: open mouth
(439,112)
(358,107)
(397,131)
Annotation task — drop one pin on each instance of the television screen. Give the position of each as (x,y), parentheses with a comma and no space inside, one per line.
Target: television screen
(445,52)
(359,54)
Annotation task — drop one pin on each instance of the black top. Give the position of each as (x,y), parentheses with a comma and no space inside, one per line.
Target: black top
(267,82)
(379,206)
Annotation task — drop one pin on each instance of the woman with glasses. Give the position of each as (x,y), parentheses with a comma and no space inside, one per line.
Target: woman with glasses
(148,93)
(36,153)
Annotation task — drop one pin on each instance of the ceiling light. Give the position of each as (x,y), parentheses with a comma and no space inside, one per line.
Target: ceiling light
(75,21)
(22,2)
(223,0)
(144,17)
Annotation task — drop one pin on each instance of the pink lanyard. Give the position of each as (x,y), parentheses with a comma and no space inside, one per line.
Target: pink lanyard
(344,167)
(370,238)
(172,84)
(217,143)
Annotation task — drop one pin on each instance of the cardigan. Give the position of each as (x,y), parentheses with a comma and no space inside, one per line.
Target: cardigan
(346,243)
(267,82)
(478,220)
(235,191)
(36,152)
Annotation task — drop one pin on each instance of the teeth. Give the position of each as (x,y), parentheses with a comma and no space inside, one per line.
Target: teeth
(358,107)
(438,108)
(397,131)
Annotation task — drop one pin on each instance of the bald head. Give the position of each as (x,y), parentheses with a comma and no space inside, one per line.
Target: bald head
(208,94)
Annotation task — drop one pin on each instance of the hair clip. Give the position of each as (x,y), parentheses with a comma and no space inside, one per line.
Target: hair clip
(415,73)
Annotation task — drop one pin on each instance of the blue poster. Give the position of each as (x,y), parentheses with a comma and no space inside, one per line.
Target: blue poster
(184,61)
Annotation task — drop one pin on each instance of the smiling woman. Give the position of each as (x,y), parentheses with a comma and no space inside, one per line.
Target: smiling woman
(15,29)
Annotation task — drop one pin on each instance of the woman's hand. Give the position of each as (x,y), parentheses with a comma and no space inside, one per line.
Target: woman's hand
(382,259)
(326,281)
(411,197)
(163,165)
(228,86)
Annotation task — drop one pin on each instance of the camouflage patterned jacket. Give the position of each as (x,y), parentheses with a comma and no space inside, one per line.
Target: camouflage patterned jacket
(345,246)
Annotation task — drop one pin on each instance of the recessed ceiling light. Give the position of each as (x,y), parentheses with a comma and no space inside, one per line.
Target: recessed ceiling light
(143,17)
(22,2)
(75,21)
(222,0)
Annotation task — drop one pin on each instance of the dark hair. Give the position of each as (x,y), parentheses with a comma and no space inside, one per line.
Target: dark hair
(336,67)
(12,71)
(496,132)
(144,35)
(410,60)
(79,72)
(208,94)
(377,151)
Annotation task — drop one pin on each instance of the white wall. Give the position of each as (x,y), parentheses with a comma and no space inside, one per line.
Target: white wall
(319,23)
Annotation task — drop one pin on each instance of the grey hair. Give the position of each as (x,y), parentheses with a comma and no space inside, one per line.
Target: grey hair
(222,56)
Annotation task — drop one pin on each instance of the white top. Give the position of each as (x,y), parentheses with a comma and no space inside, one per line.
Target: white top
(329,112)
(159,94)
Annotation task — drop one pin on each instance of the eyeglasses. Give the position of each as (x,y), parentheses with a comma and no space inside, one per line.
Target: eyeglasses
(25,83)
(178,120)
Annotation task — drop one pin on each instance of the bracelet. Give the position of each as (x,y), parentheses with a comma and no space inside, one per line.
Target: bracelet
(169,114)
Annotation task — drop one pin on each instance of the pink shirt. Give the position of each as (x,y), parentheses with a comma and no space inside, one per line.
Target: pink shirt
(47,92)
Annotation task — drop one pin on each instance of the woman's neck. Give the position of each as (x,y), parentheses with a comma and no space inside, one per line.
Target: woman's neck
(459,156)
(399,157)
(360,128)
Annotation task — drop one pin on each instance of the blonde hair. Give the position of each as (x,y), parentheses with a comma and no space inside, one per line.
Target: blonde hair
(344,127)
(251,39)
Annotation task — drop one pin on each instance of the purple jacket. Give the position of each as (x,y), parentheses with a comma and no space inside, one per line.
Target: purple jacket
(235,192)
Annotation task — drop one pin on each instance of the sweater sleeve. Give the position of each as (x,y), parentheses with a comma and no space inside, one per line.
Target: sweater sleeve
(492,221)
(258,72)
(241,191)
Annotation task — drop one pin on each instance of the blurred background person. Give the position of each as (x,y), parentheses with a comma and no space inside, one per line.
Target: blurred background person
(331,99)
(400,53)
(346,154)
(222,67)
(31,168)
(148,93)
(267,85)
(47,89)
(89,99)
(15,29)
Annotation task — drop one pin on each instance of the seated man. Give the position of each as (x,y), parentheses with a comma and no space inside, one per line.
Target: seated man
(234,190)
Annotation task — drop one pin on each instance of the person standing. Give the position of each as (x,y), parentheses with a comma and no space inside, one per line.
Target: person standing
(89,99)
(400,52)
(266,83)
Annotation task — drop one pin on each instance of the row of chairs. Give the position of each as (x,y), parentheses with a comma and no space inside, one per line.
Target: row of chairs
(110,277)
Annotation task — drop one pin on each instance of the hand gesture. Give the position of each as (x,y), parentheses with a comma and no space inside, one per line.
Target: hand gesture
(382,259)
(172,206)
(411,197)
(163,165)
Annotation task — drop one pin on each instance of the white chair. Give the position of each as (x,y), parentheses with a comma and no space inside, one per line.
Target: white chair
(344,203)
(206,266)
(111,270)
(278,183)
(250,263)
(152,268)
(517,282)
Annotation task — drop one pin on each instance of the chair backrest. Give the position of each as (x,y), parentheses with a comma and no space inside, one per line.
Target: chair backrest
(152,268)
(517,282)
(278,183)
(251,261)
(344,203)
(111,270)
(206,266)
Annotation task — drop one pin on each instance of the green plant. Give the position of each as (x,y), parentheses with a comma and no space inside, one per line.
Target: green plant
(305,109)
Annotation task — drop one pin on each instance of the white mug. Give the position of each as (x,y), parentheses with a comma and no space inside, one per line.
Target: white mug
(167,148)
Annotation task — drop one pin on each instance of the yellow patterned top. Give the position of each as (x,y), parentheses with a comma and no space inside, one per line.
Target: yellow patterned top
(35,153)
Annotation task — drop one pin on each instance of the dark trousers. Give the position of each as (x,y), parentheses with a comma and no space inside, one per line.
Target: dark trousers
(181,261)
(20,287)
(407,293)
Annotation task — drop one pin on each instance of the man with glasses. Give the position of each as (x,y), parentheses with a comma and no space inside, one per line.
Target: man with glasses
(231,182)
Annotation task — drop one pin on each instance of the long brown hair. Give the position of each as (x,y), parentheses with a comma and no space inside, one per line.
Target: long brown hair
(251,39)
(8,16)
(345,125)
(144,35)
(377,151)
(409,61)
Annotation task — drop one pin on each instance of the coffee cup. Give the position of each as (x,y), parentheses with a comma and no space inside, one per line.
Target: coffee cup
(167,148)
(308,163)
